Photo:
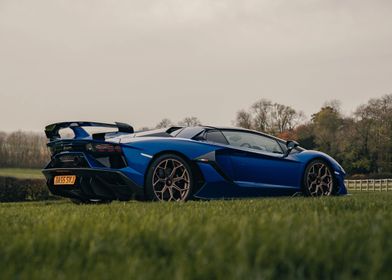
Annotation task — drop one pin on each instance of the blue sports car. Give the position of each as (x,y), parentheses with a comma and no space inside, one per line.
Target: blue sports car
(183,163)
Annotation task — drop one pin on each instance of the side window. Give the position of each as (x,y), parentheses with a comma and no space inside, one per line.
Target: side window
(283,146)
(252,141)
(216,136)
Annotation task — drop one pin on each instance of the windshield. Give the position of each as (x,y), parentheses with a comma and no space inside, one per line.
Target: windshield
(252,141)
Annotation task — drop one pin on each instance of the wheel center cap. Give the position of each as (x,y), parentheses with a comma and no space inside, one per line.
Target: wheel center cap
(169,182)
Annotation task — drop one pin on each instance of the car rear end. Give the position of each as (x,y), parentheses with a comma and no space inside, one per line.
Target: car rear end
(86,169)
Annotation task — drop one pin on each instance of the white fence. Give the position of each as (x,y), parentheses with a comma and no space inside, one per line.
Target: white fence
(381,185)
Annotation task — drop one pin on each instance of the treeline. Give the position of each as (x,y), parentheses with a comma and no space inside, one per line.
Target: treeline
(188,121)
(23,150)
(362,141)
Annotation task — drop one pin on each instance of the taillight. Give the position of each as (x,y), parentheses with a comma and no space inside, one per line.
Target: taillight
(104,148)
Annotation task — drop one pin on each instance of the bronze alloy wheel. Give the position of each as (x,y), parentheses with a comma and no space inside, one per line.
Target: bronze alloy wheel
(171,180)
(319,179)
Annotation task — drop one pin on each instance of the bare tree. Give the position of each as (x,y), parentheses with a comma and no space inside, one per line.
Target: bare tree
(244,119)
(190,121)
(144,128)
(23,149)
(269,117)
(374,127)
(164,123)
(261,115)
(335,104)
(284,118)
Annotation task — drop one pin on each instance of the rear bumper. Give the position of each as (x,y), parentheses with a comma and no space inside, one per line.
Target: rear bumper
(94,184)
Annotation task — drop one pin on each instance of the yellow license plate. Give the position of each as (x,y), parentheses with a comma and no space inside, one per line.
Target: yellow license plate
(65,180)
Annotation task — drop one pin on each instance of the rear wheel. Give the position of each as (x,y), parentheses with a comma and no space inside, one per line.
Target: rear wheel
(318,179)
(169,178)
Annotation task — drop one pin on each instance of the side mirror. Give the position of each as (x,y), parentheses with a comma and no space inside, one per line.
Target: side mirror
(291,145)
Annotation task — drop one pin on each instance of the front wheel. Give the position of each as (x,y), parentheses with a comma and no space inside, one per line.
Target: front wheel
(169,178)
(318,179)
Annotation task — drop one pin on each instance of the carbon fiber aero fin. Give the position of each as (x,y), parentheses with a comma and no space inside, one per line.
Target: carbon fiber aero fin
(210,157)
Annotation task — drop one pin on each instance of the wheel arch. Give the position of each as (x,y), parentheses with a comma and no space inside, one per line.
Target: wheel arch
(318,157)
(199,179)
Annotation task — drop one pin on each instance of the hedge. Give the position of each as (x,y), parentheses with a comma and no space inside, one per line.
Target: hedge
(14,190)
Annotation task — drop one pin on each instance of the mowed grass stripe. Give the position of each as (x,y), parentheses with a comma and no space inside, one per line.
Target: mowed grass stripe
(21,173)
(274,238)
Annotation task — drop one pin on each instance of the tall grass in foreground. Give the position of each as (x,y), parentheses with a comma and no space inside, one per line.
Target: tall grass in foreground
(275,238)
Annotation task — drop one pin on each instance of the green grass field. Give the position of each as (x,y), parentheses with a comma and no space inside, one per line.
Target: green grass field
(274,238)
(22,173)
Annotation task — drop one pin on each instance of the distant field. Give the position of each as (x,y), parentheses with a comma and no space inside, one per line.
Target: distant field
(274,238)
(21,173)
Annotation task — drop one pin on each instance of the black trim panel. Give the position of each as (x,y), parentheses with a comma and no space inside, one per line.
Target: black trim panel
(210,159)
(94,184)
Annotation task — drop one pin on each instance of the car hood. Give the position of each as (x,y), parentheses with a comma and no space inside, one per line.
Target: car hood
(311,154)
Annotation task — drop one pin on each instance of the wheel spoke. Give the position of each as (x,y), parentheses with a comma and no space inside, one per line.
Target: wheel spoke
(183,177)
(180,189)
(158,181)
(171,193)
(175,185)
(175,168)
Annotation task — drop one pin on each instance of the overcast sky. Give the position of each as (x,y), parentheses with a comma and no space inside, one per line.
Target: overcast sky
(141,61)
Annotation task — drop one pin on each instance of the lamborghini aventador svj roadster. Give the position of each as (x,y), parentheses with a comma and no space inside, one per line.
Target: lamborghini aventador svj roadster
(182,163)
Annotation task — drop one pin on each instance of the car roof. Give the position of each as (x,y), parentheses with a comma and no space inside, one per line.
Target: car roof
(198,129)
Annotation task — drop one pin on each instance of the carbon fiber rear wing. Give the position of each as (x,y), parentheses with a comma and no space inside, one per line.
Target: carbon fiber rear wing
(52,130)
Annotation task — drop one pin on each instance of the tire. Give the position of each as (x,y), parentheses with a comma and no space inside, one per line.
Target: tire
(81,202)
(169,178)
(319,179)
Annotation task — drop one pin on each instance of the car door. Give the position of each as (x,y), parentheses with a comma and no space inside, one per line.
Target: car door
(258,162)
